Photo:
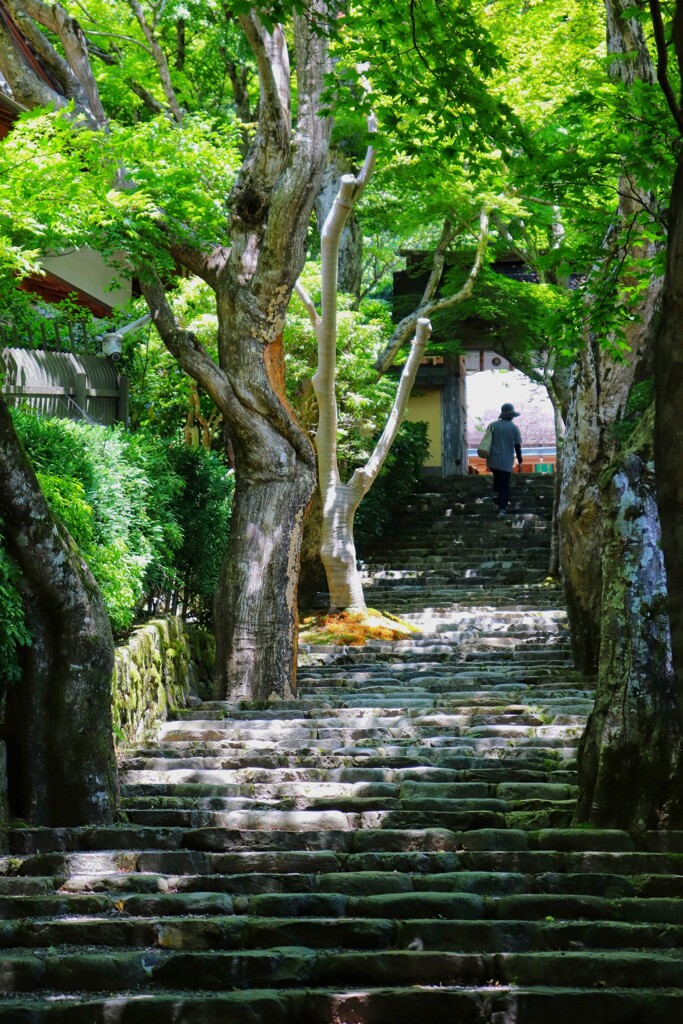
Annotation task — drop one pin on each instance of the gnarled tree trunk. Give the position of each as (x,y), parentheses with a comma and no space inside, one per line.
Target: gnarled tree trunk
(58,727)
(253,277)
(630,756)
(669,397)
(600,387)
(629,761)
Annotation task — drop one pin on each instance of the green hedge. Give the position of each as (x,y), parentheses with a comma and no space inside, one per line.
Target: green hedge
(13,633)
(149,516)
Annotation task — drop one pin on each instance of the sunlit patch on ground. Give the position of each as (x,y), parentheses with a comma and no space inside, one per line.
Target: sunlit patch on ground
(353,628)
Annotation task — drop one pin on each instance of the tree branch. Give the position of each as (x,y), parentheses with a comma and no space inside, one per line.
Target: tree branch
(159,59)
(124,39)
(275,118)
(309,304)
(429,305)
(184,346)
(28,88)
(239,80)
(145,95)
(74,75)
(326,331)
(663,60)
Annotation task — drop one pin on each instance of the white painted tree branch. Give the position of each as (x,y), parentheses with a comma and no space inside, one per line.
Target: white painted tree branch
(326,332)
(426,309)
(338,549)
(308,302)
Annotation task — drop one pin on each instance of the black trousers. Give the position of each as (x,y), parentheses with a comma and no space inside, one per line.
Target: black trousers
(501,488)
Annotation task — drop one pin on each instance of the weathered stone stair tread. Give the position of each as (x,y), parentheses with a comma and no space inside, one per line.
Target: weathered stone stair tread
(562,1005)
(287,967)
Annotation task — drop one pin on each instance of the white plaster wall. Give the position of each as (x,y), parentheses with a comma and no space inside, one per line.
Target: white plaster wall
(86,269)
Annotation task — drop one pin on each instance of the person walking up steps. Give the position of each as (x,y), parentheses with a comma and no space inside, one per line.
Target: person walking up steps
(506,443)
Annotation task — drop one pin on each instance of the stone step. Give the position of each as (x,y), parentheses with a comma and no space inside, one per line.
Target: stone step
(203,865)
(501,763)
(292,967)
(442,904)
(311,871)
(190,783)
(70,843)
(365,933)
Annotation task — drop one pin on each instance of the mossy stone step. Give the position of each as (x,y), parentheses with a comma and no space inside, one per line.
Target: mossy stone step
(287,967)
(257,1007)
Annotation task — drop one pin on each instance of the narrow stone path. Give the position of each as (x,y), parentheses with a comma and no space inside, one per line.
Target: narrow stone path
(393,847)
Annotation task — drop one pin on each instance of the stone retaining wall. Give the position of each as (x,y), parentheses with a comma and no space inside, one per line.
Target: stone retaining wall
(165,665)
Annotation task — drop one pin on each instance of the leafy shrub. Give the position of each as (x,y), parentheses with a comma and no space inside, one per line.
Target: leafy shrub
(130,509)
(13,632)
(203,512)
(398,479)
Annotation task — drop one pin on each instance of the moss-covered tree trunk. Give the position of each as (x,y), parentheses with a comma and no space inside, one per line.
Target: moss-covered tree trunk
(630,756)
(58,726)
(600,387)
(669,399)
(629,759)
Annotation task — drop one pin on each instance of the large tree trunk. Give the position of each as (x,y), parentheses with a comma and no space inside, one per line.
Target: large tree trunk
(253,277)
(61,767)
(256,600)
(600,388)
(629,762)
(668,432)
(630,757)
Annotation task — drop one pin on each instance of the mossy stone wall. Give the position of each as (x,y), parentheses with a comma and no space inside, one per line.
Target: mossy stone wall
(166,665)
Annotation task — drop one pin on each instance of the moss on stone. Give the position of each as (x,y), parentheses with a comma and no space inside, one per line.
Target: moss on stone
(162,667)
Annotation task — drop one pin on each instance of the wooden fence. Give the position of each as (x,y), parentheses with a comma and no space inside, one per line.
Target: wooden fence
(70,385)
(50,334)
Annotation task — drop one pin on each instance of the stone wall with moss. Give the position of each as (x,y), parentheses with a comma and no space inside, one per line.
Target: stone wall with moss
(166,665)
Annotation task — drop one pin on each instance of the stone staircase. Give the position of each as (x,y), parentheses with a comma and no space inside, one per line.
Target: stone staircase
(393,846)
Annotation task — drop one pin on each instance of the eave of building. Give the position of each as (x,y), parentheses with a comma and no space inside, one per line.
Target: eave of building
(53,289)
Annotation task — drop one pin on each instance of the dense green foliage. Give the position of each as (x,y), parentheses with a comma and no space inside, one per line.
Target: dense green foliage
(203,515)
(135,506)
(398,479)
(160,392)
(13,633)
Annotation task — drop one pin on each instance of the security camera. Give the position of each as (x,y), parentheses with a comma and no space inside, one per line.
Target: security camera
(112,345)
